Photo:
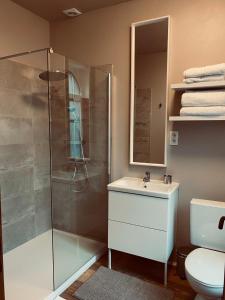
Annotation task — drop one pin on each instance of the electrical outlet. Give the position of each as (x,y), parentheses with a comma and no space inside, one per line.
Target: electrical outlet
(174,138)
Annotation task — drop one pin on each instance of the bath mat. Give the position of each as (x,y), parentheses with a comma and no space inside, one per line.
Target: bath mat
(107,284)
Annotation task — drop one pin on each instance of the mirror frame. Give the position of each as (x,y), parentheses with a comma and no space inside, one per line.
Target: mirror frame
(132,84)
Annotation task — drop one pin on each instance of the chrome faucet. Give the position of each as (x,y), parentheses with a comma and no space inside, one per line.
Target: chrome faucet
(146,178)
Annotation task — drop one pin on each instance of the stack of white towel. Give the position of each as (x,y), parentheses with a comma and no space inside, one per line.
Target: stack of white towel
(207,73)
(204,103)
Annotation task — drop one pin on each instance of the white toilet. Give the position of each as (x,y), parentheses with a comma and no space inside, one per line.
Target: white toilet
(204,266)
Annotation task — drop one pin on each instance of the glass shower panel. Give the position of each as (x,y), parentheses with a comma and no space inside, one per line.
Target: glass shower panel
(25,178)
(79,113)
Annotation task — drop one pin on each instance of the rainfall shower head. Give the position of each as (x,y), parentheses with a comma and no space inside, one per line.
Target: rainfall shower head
(53,75)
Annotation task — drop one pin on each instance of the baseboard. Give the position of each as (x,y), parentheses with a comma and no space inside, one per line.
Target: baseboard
(56,294)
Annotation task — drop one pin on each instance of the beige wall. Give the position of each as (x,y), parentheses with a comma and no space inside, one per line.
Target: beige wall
(21,30)
(197,38)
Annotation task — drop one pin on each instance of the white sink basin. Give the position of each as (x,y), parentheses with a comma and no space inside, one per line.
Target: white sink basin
(133,185)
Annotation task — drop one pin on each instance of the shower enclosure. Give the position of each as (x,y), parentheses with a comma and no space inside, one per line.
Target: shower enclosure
(54,169)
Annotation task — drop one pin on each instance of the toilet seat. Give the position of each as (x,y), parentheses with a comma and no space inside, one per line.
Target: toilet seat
(206,267)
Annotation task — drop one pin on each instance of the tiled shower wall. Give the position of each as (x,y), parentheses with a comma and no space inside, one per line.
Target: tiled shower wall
(24,154)
(85,212)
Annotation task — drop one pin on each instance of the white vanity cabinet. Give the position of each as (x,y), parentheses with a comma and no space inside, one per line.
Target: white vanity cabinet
(141,221)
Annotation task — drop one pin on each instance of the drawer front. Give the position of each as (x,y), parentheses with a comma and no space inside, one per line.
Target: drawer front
(139,210)
(141,241)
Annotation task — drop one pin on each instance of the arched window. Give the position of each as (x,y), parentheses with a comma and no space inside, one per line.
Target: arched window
(74,88)
(76,151)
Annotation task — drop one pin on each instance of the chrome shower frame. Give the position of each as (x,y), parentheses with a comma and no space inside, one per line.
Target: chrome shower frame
(50,50)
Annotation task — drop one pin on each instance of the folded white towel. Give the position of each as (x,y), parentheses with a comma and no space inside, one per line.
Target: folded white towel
(204,98)
(203,111)
(205,71)
(204,78)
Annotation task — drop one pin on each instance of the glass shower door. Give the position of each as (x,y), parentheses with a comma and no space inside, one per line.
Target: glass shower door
(79,113)
(25,177)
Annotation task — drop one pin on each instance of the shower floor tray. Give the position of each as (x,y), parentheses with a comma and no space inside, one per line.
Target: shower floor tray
(28,269)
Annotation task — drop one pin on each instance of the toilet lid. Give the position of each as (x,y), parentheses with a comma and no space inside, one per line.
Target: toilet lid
(206,266)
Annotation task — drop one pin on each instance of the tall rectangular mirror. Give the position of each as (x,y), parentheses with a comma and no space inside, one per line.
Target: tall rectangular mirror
(149,68)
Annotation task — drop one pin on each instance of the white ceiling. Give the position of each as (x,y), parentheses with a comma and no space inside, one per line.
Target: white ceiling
(51,10)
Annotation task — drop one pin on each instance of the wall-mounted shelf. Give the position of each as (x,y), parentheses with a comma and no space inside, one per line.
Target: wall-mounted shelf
(199,85)
(196,118)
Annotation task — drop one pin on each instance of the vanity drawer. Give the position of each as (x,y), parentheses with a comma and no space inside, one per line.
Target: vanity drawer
(145,242)
(139,210)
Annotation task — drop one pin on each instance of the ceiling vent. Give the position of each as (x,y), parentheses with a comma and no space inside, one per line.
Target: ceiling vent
(72,12)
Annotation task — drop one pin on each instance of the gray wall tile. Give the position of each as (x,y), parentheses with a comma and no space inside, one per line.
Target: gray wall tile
(24,154)
(42,221)
(61,206)
(14,156)
(16,181)
(16,207)
(15,131)
(18,233)
(15,103)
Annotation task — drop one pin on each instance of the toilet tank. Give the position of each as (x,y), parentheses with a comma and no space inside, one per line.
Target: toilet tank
(204,220)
